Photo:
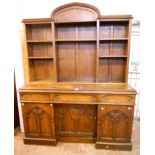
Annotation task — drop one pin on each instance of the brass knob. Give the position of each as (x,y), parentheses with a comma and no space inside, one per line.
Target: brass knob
(102,108)
(51,105)
(107,147)
(129,108)
(76,89)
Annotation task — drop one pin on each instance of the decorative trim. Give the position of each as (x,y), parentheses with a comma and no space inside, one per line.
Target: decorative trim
(76,4)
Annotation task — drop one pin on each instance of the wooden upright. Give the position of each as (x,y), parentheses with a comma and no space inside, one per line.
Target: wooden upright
(76,74)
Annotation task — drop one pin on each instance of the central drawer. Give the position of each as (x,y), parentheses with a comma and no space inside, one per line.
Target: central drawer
(74,98)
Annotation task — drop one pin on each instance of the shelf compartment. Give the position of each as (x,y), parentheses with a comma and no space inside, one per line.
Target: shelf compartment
(76,61)
(112,70)
(39,32)
(76,31)
(113,48)
(40,50)
(41,69)
(114,29)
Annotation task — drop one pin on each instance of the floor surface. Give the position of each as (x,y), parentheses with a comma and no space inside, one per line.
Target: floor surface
(73,148)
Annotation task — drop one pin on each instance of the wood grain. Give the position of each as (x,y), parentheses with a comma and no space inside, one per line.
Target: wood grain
(76,90)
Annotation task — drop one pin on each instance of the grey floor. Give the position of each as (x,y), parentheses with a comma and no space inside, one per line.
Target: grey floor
(74,148)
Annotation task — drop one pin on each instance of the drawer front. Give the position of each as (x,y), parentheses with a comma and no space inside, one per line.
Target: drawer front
(117,98)
(75,98)
(35,97)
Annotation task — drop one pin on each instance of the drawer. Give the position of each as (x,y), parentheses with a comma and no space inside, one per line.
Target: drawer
(74,98)
(35,97)
(116,98)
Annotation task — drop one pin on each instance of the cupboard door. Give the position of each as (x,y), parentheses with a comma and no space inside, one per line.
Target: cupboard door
(86,121)
(114,123)
(77,120)
(38,120)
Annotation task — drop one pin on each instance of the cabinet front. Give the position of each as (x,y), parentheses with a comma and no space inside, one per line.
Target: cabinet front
(114,123)
(76,120)
(38,120)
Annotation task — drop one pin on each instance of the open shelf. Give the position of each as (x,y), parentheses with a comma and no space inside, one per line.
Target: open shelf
(42,49)
(113,29)
(76,31)
(76,61)
(41,69)
(113,48)
(112,70)
(78,51)
(39,32)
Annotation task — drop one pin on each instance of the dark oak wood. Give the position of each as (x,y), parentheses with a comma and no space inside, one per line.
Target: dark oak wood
(114,123)
(82,120)
(76,90)
(75,12)
(113,146)
(38,120)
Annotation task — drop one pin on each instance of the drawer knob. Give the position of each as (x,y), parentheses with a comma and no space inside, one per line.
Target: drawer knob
(102,108)
(107,147)
(129,108)
(51,105)
(76,89)
(22,104)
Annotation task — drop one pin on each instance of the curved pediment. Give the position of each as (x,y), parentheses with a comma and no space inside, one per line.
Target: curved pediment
(75,12)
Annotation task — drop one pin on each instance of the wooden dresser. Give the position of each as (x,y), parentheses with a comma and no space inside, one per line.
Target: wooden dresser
(76,74)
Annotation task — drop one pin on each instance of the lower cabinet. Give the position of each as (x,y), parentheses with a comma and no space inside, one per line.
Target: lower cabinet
(114,126)
(107,125)
(76,122)
(39,123)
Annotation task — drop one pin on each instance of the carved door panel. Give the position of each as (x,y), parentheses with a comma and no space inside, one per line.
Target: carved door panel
(66,125)
(114,123)
(86,121)
(38,120)
(77,120)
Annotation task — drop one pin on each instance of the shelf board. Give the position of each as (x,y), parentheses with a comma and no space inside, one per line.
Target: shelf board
(113,56)
(114,39)
(31,58)
(68,22)
(72,40)
(39,41)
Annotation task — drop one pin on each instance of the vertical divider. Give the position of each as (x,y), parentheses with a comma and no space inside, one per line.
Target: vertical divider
(97,50)
(128,49)
(54,51)
(26,63)
(110,61)
(76,54)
